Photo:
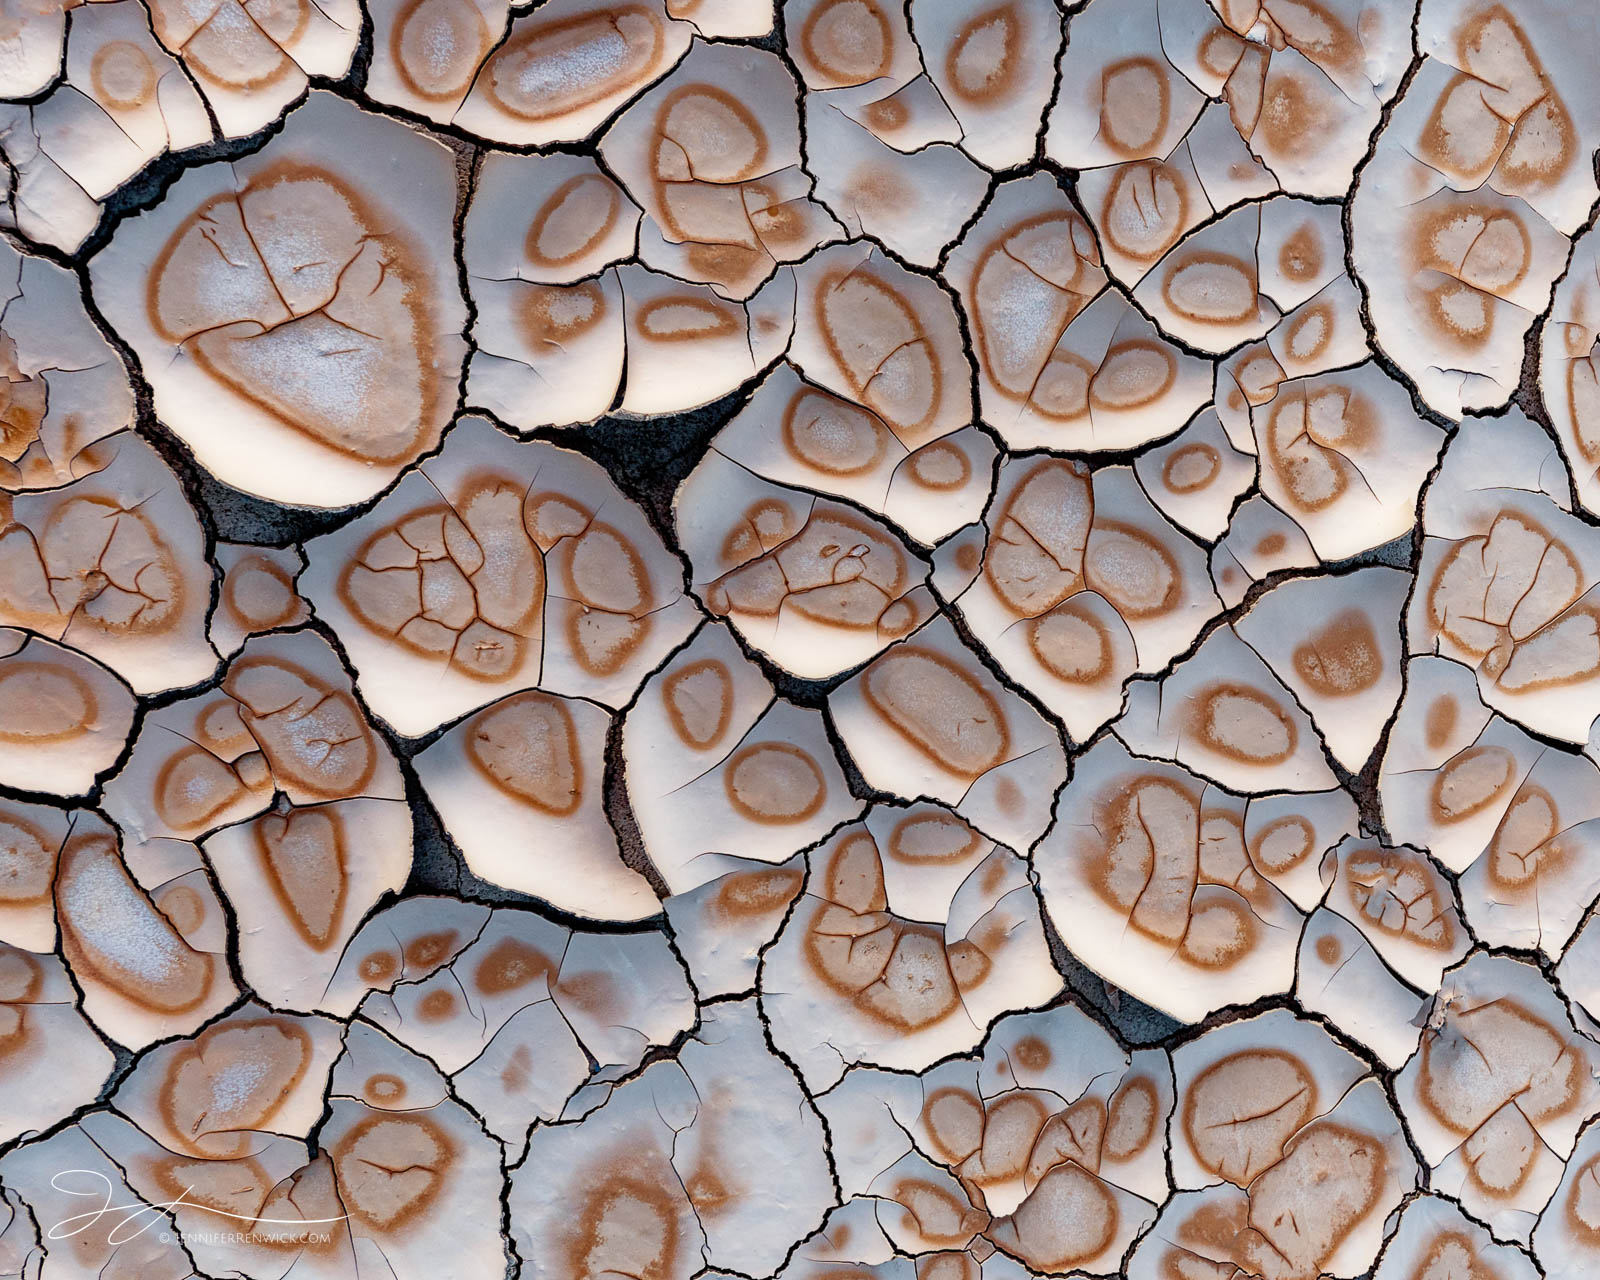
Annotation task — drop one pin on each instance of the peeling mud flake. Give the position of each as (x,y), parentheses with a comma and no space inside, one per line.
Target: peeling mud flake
(497,566)
(869,970)
(562,69)
(113,564)
(1079,584)
(251,60)
(1498,1090)
(142,959)
(812,584)
(124,102)
(519,787)
(927,719)
(713,156)
(715,764)
(300,328)
(1188,898)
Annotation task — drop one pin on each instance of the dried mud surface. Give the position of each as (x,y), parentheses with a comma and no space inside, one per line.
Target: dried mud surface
(484,792)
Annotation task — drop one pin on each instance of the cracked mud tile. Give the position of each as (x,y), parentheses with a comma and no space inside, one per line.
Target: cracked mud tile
(854,1244)
(1140,208)
(280,1198)
(52,1060)
(426,54)
(1565,1240)
(1498,1089)
(17,1234)
(549,333)
(1506,577)
(31,838)
(553,354)
(567,217)
(64,719)
(113,564)
(250,58)
(1122,98)
(714,1157)
(712,155)
(1455,286)
(1513,817)
(1576,972)
(519,788)
(1569,379)
(142,933)
(495,566)
(1339,975)
(122,103)
(995,68)
(1460,223)
(401,942)
(888,130)
(1286,1153)
(1344,455)
(849,44)
(1304,86)
(1259,542)
(727,19)
(814,585)
(687,345)
(1231,281)
(1049,1147)
(283,721)
(258,593)
(1335,644)
(529,1013)
(1026,268)
(564,69)
(1064,362)
(1435,1239)
(64,387)
(1322,334)
(1224,714)
(715,763)
(35,37)
(927,720)
(299,328)
(248,1077)
(873,332)
(914,203)
(914,933)
(1187,897)
(1402,904)
(797,435)
(99,1245)
(300,879)
(406,1157)
(722,926)
(1197,477)
(1078,585)
(552,76)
